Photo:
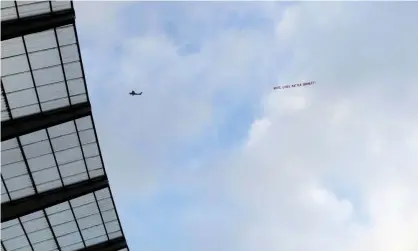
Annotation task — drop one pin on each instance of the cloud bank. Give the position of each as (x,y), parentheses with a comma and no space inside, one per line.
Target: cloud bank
(212,158)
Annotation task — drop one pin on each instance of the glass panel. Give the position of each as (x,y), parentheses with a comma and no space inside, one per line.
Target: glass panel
(36,224)
(39,234)
(115,235)
(8,13)
(90,221)
(78,99)
(73,70)
(112,226)
(57,208)
(11,231)
(65,142)
(22,98)
(42,162)
(37,149)
(85,210)
(93,232)
(4,195)
(48,186)
(6,4)
(60,5)
(90,150)
(43,59)
(22,193)
(52,91)
(61,129)
(11,156)
(82,200)
(90,242)
(66,35)
(54,104)
(17,82)
(48,75)
(69,53)
(9,223)
(105,204)
(109,215)
(14,65)
(4,115)
(15,243)
(26,2)
(9,144)
(69,239)
(47,245)
(75,178)
(94,163)
(13,170)
(33,137)
(23,111)
(33,9)
(17,183)
(46,175)
(60,217)
(72,168)
(102,194)
(76,86)
(84,123)
(40,41)
(32,216)
(96,173)
(12,47)
(68,155)
(73,247)
(87,136)
(65,228)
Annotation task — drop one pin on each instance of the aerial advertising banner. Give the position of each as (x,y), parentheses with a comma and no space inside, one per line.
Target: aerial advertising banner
(294,85)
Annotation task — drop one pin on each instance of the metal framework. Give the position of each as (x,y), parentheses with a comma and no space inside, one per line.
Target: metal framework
(55,191)
(24,125)
(112,245)
(33,24)
(27,205)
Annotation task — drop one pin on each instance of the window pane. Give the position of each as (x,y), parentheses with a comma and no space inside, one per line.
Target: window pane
(43,59)
(73,70)
(14,65)
(54,104)
(66,35)
(12,47)
(40,41)
(22,98)
(76,86)
(33,9)
(48,75)
(52,91)
(17,82)
(69,53)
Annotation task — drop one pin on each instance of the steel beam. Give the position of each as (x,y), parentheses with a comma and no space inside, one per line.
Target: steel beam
(31,123)
(110,245)
(32,24)
(20,207)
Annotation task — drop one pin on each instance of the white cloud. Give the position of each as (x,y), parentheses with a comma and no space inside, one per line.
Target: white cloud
(350,131)
(258,129)
(288,182)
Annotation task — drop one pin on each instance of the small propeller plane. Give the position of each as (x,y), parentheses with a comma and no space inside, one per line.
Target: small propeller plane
(133,93)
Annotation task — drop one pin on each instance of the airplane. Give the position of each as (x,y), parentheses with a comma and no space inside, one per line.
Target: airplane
(133,93)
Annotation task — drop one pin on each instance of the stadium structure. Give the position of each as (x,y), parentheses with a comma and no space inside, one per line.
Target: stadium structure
(55,193)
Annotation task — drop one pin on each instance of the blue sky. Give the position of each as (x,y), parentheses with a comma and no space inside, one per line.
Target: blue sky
(210,158)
